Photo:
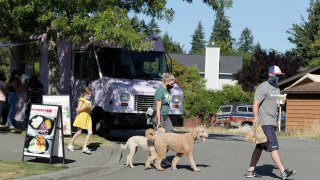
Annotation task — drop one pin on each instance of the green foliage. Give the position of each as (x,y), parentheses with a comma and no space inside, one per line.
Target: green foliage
(138,25)
(79,20)
(4,58)
(205,103)
(200,102)
(245,43)
(221,35)
(257,70)
(306,36)
(171,46)
(216,4)
(153,28)
(188,78)
(198,43)
(246,58)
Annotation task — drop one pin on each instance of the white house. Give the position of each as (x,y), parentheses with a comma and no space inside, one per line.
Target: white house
(217,70)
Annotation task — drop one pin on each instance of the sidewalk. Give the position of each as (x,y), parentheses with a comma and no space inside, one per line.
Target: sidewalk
(11,148)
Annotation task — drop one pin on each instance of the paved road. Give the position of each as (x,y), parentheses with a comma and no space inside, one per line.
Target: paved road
(225,157)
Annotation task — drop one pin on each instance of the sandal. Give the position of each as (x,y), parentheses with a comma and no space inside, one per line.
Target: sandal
(86,151)
(70,148)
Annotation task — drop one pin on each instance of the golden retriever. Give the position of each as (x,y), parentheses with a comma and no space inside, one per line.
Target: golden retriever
(182,144)
(143,142)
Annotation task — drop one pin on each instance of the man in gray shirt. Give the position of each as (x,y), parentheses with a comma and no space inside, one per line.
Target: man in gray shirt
(265,111)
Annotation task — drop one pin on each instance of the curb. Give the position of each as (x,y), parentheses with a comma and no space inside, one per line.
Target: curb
(115,157)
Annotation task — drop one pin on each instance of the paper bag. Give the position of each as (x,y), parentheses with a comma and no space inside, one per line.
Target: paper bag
(256,134)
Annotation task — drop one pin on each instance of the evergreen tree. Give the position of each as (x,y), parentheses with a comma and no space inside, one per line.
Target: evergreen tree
(171,46)
(138,25)
(221,35)
(198,43)
(306,36)
(245,43)
(153,28)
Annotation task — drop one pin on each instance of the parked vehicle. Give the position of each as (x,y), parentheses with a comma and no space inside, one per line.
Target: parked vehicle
(123,82)
(235,115)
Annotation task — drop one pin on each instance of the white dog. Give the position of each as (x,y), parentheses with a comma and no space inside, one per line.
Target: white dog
(143,142)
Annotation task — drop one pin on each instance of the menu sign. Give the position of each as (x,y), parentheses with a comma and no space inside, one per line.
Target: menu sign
(64,102)
(44,130)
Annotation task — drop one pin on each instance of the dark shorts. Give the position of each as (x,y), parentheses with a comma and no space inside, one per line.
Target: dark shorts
(272,143)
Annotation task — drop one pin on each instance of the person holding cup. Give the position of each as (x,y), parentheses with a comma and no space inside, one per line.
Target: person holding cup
(83,120)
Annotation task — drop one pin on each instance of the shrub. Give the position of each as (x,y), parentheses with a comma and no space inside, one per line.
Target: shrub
(205,103)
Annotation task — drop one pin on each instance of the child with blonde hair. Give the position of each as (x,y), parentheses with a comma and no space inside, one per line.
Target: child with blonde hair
(83,120)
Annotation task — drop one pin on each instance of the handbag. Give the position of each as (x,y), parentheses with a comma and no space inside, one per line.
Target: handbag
(150,113)
(256,134)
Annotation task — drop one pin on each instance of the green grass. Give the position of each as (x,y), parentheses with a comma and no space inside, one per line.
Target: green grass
(13,170)
(95,139)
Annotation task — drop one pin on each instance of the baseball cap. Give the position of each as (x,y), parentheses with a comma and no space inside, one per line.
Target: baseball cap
(274,70)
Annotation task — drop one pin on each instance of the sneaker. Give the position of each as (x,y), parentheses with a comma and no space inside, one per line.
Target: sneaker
(287,174)
(86,151)
(70,148)
(251,174)
(11,127)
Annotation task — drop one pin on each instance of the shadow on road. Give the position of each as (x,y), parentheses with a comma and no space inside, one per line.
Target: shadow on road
(225,137)
(267,170)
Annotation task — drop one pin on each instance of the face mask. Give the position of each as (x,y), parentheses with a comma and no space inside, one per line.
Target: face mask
(87,97)
(273,80)
(169,86)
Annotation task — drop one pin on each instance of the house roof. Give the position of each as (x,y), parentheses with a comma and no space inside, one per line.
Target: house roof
(289,81)
(190,60)
(306,79)
(228,64)
(309,88)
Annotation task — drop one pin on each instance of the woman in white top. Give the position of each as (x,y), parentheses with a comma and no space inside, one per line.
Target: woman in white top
(3,93)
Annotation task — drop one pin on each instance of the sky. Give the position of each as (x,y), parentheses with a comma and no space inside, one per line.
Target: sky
(268,20)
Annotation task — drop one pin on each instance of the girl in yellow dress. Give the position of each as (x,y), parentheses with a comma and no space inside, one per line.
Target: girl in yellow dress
(83,120)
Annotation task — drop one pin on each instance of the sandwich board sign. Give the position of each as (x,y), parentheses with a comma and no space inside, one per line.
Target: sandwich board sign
(44,137)
(64,101)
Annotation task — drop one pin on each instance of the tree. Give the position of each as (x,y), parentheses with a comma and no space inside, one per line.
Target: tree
(153,28)
(170,46)
(257,70)
(198,43)
(306,36)
(4,58)
(78,21)
(245,43)
(188,78)
(221,35)
(139,26)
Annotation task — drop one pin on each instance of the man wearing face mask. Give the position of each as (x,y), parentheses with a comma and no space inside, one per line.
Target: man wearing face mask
(265,111)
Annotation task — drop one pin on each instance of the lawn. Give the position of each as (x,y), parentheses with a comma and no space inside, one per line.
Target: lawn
(95,139)
(13,170)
